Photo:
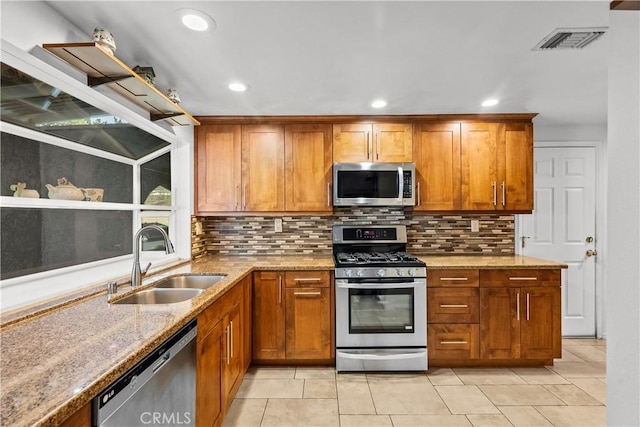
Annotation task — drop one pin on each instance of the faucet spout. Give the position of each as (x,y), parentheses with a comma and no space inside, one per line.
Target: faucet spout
(137,273)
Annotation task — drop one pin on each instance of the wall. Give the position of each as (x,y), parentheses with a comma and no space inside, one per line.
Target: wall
(426,234)
(623,203)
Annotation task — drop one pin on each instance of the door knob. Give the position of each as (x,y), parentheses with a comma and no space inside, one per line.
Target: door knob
(592,252)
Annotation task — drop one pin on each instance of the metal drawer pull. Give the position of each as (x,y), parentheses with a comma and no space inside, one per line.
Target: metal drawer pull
(455,278)
(307,279)
(307,293)
(328,194)
(231,337)
(453,306)
(518,306)
(527,305)
(523,278)
(454,342)
(280,290)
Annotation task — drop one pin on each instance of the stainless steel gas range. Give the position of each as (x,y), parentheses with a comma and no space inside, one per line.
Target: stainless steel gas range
(381,300)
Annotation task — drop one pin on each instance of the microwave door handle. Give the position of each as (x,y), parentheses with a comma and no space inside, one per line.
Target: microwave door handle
(401,186)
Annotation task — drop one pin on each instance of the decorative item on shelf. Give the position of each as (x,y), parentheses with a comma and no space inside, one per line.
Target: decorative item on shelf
(65,191)
(93,194)
(105,40)
(146,73)
(172,94)
(20,190)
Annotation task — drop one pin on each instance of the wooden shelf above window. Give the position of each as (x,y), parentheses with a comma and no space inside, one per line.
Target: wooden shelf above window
(103,68)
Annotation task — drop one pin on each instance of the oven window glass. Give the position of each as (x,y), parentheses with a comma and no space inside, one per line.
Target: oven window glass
(373,311)
(368,184)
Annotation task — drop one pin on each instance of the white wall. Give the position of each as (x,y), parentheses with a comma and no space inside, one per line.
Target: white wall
(623,268)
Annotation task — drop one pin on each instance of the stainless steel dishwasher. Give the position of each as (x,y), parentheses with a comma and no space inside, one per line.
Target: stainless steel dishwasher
(159,391)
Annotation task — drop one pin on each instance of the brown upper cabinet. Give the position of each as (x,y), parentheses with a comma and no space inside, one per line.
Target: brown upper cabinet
(497,166)
(366,142)
(436,153)
(239,168)
(263,168)
(308,167)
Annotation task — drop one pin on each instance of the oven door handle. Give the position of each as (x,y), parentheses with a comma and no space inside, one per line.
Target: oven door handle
(344,284)
(397,356)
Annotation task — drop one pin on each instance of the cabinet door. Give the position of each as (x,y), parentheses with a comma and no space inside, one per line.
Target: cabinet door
(500,323)
(436,152)
(392,142)
(268,316)
(479,166)
(516,182)
(457,305)
(209,402)
(308,323)
(540,325)
(262,168)
(231,376)
(218,161)
(80,418)
(308,161)
(449,342)
(352,143)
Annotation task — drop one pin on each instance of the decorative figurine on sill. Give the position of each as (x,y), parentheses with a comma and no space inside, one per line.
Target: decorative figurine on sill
(64,191)
(172,94)
(146,73)
(105,40)
(20,190)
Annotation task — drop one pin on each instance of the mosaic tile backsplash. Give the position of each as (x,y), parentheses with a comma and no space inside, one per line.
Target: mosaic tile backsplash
(426,234)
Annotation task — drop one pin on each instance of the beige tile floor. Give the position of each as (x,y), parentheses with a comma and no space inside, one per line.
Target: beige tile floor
(570,393)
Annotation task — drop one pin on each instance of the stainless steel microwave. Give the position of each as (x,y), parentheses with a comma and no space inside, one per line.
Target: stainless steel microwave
(373,184)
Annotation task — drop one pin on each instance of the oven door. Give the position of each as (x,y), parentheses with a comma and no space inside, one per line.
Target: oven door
(378,313)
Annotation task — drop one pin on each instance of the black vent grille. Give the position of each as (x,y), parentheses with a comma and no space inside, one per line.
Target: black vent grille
(563,38)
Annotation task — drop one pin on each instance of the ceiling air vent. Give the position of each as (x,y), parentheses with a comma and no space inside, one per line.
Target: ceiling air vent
(570,38)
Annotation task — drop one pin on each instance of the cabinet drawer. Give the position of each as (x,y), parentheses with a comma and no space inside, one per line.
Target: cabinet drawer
(453,341)
(519,277)
(463,277)
(306,279)
(457,305)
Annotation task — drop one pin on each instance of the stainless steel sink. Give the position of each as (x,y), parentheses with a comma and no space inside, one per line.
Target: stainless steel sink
(191,281)
(160,296)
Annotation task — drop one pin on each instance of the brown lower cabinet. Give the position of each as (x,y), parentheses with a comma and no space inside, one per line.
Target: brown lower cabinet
(292,316)
(221,356)
(493,317)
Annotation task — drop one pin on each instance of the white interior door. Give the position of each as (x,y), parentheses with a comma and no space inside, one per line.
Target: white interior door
(562,228)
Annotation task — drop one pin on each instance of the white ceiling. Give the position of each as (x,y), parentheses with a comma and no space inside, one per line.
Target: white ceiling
(330,57)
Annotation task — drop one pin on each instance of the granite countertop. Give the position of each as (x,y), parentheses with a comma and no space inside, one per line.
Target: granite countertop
(52,364)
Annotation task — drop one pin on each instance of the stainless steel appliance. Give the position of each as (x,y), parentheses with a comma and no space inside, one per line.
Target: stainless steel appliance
(373,184)
(381,300)
(159,390)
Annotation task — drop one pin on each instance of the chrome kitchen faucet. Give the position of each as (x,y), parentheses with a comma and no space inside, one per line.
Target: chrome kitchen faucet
(137,273)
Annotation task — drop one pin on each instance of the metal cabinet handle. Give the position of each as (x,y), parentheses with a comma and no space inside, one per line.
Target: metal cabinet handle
(495,193)
(280,290)
(307,279)
(328,194)
(308,293)
(368,148)
(236,194)
(244,196)
(522,278)
(453,342)
(527,306)
(453,306)
(418,194)
(231,338)
(377,146)
(518,306)
(457,279)
(504,194)
(226,331)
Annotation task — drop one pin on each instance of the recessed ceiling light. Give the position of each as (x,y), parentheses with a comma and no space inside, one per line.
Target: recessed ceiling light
(490,102)
(379,103)
(196,20)
(238,87)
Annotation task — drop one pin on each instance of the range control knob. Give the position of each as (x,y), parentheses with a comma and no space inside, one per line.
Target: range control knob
(400,272)
(381,272)
(359,273)
(348,272)
(410,272)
